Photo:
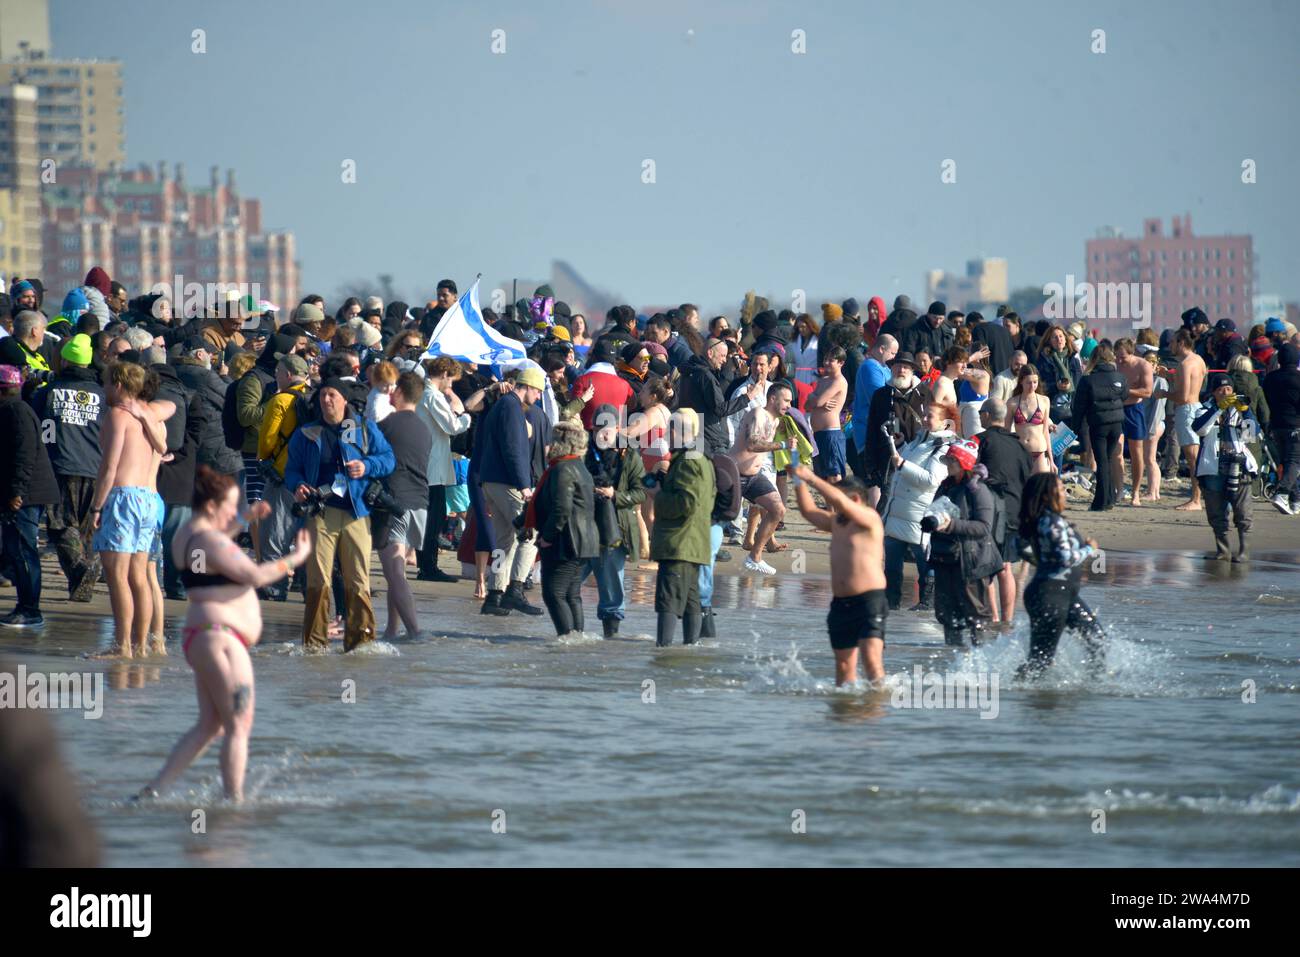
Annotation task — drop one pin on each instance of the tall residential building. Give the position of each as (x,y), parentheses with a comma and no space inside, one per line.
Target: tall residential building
(80,118)
(20,195)
(1216,273)
(146,226)
(985,282)
(24,29)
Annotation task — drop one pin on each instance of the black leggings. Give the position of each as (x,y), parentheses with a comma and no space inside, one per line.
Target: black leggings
(561,587)
(1105,447)
(1054,605)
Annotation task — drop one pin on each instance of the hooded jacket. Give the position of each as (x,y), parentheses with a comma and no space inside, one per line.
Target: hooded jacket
(1099,400)
(74,402)
(1215,430)
(176,478)
(914,485)
(210,389)
(622,470)
(871,327)
(925,335)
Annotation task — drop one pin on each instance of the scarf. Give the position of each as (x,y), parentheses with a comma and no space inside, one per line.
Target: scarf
(530,513)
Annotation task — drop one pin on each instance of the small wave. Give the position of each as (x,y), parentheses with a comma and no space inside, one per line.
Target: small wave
(1275,799)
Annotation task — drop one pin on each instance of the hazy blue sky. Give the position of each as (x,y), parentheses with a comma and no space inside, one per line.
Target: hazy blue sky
(774,170)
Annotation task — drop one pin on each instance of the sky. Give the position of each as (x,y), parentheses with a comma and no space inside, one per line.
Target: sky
(773,170)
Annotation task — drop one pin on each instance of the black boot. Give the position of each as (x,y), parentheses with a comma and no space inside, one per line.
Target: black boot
(926,598)
(1222,550)
(707,627)
(514,600)
(691,624)
(492,605)
(1243,549)
(667,628)
(610,627)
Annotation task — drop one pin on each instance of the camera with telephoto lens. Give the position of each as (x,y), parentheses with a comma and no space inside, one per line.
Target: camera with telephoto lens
(313,504)
(938,509)
(653,479)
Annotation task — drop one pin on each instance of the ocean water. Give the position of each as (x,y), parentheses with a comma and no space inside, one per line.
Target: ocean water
(494,744)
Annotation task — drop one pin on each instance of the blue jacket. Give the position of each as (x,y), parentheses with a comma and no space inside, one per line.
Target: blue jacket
(679,353)
(872,375)
(505,455)
(304,460)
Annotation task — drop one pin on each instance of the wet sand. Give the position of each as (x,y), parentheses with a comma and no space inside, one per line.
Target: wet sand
(1151,527)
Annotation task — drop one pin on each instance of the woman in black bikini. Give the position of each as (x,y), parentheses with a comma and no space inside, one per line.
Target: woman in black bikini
(223,622)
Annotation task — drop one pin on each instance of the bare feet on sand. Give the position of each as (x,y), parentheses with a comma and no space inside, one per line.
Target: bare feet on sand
(156,647)
(113,653)
(1188,507)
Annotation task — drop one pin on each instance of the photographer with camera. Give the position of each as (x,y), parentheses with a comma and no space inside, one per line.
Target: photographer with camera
(897,411)
(1225,466)
(962,522)
(284,412)
(332,466)
(27,351)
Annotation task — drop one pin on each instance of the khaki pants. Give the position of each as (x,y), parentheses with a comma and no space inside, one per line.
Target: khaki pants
(512,560)
(331,530)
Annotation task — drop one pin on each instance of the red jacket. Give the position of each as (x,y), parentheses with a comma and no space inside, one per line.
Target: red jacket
(610,390)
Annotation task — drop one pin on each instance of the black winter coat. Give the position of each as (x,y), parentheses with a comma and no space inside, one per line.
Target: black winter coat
(968,541)
(566,513)
(1099,400)
(25,470)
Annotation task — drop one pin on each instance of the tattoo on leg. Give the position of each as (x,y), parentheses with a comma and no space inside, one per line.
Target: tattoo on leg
(242,695)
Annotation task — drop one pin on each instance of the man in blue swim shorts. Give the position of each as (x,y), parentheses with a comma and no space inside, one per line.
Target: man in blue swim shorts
(127,507)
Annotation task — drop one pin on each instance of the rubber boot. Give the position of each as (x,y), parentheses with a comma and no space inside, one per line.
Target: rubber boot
(1243,549)
(691,624)
(707,627)
(610,627)
(666,629)
(926,602)
(1222,550)
(492,605)
(514,600)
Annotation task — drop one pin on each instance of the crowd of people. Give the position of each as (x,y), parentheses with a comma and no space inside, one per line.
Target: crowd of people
(238,455)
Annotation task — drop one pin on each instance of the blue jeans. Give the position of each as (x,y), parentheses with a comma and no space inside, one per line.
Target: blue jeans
(608,569)
(173,519)
(706,571)
(896,552)
(20,553)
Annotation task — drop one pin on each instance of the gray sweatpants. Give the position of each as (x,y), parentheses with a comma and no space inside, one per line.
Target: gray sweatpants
(512,560)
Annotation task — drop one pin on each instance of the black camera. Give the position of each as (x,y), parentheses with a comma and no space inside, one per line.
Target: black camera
(313,504)
(653,479)
(929,523)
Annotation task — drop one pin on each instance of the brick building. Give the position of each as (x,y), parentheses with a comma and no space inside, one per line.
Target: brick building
(146,226)
(1216,273)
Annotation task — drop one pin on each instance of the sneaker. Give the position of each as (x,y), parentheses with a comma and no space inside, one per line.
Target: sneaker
(21,619)
(1283,504)
(762,567)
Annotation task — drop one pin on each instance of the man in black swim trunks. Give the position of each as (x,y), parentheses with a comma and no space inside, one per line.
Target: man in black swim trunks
(858,609)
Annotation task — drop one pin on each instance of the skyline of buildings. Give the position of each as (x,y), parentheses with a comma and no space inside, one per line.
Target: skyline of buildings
(147,226)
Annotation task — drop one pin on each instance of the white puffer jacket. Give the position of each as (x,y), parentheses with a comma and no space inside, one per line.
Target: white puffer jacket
(914,484)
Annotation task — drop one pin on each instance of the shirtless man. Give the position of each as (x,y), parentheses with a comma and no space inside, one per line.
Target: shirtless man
(127,508)
(1185,396)
(858,608)
(955,362)
(1139,377)
(755,438)
(824,405)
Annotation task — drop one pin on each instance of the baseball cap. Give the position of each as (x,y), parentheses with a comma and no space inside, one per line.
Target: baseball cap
(1226,325)
(11,375)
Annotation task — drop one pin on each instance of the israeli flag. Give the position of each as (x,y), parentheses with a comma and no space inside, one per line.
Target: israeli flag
(462,334)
